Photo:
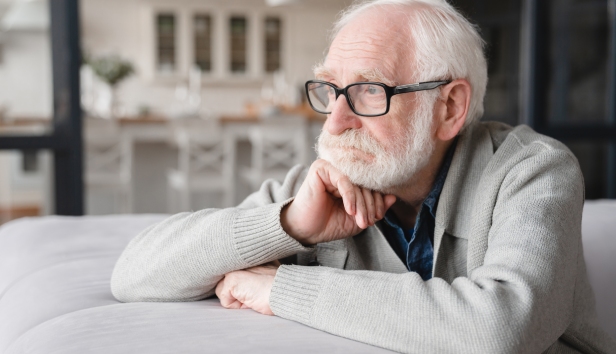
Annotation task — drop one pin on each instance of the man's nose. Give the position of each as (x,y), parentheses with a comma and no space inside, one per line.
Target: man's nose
(341,118)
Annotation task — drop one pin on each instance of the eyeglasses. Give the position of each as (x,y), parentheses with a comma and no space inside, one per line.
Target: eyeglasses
(366,99)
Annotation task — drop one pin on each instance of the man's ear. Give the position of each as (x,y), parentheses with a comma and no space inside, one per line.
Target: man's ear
(452,108)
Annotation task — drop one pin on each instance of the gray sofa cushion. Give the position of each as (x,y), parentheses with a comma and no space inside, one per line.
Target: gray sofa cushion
(55,298)
(599,240)
(197,327)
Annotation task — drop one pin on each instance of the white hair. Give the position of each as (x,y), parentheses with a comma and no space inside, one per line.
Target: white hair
(446,45)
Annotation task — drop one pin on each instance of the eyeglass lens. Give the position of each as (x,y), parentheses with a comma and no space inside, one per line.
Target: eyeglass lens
(367,99)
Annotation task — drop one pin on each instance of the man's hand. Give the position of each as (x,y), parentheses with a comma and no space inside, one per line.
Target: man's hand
(329,207)
(248,289)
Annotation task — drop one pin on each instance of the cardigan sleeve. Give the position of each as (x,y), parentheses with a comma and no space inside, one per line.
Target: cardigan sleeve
(183,257)
(518,301)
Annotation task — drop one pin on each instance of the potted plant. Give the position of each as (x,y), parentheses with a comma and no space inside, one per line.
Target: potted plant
(112,70)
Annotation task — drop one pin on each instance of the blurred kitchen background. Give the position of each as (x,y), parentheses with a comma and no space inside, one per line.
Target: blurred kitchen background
(189,104)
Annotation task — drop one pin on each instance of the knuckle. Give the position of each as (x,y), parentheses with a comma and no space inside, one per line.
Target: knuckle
(318,164)
(348,194)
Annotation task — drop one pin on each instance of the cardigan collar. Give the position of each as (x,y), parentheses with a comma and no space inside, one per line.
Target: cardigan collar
(474,151)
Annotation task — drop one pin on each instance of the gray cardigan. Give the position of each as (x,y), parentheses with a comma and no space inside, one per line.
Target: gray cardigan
(509,272)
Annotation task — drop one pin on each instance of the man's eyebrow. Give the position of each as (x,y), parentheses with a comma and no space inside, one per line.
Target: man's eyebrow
(321,71)
(374,74)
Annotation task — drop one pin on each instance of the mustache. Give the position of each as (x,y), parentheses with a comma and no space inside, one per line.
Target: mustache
(351,138)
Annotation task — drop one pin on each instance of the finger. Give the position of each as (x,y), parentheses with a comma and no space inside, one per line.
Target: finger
(348,194)
(379,205)
(224,295)
(361,214)
(339,186)
(235,305)
(370,206)
(389,200)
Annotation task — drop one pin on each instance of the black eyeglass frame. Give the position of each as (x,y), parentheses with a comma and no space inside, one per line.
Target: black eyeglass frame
(389,92)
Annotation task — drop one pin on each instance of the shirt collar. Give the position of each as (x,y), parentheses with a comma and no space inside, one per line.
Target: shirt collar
(431,201)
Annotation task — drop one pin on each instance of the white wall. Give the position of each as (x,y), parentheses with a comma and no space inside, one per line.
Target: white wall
(25,74)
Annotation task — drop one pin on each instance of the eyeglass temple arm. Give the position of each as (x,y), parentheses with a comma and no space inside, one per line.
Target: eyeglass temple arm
(429,85)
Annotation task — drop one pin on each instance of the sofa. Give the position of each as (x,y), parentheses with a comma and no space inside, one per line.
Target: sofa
(55,295)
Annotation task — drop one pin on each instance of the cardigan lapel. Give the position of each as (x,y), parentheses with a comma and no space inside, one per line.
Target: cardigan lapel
(455,206)
(370,250)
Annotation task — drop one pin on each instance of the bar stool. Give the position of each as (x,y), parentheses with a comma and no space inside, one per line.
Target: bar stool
(108,163)
(204,165)
(278,143)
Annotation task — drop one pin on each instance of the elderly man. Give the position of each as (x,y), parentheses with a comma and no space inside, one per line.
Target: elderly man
(419,229)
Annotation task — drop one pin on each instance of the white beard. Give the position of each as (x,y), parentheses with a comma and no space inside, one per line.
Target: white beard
(390,167)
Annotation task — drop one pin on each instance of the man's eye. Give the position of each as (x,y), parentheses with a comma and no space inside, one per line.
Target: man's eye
(330,91)
(373,90)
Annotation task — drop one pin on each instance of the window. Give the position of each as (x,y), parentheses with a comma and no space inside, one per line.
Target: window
(238,44)
(499,23)
(28,193)
(579,52)
(165,30)
(203,42)
(272,44)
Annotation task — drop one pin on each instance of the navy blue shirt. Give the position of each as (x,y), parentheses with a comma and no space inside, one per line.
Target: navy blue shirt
(415,246)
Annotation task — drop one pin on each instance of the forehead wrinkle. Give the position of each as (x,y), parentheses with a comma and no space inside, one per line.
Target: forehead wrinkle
(373,74)
(375,44)
(383,66)
(359,53)
(380,57)
(379,39)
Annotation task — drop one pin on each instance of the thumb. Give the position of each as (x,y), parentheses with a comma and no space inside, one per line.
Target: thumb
(389,200)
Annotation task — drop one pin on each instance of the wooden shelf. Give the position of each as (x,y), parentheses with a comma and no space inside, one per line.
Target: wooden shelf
(15,212)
